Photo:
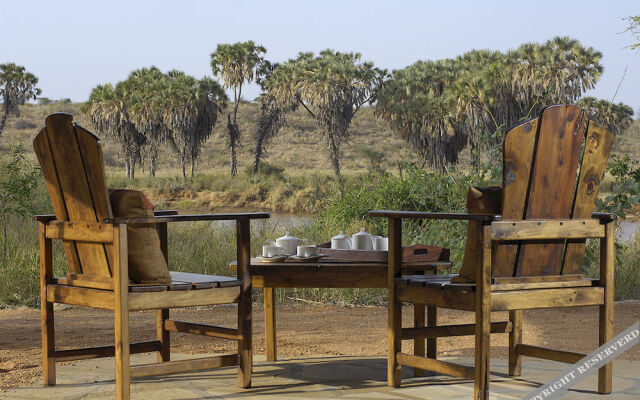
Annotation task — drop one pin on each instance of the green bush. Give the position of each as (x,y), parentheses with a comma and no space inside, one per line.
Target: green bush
(418,190)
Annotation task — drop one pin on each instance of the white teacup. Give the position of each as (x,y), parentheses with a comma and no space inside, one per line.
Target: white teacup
(380,243)
(307,250)
(272,251)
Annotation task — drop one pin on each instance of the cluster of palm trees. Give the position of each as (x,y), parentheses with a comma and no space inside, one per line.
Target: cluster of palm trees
(441,106)
(151,108)
(438,107)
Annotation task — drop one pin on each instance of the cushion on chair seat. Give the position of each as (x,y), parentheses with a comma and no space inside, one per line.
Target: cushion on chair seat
(146,261)
(479,201)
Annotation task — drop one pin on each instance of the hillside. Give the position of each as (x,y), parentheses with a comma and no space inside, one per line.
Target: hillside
(299,147)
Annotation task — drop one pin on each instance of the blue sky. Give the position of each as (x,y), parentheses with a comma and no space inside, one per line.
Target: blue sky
(74,45)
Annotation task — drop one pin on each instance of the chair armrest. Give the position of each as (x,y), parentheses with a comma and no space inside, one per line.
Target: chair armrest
(604,217)
(163,213)
(433,215)
(187,218)
(45,218)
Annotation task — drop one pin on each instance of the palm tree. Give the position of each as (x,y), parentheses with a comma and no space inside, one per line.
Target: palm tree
(235,64)
(17,86)
(189,111)
(143,90)
(107,110)
(331,87)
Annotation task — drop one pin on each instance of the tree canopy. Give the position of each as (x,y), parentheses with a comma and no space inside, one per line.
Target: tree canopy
(150,108)
(17,86)
(441,106)
(614,117)
(331,87)
(237,64)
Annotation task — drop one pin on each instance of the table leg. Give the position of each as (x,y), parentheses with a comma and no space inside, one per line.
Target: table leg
(270,323)
(432,320)
(418,343)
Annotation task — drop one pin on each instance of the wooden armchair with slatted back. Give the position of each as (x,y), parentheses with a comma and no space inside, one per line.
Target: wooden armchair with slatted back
(530,255)
(95,244)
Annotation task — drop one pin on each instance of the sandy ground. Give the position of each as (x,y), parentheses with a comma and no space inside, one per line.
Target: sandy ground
(302,330)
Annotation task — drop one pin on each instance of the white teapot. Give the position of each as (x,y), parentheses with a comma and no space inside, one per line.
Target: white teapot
(290,243)
(341,241)
(362,240)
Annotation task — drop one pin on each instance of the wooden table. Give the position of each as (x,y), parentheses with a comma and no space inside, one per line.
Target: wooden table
(328,273)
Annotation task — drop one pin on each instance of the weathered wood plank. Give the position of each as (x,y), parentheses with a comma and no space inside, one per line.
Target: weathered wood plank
(45,158)
(441,367)
(172,367)
(74,188)
(394,314)
(548,354)
(546,230)
(546,298)
(104,351)
(518,146)
(515,339)
(184,298)
(46,309)
(605,325)
(553,177)
(451,330)
(121,312)
(201,329)
(80,231)
(78,296)
(598,145)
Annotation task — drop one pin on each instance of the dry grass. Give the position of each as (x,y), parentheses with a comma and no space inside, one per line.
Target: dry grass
(299,148)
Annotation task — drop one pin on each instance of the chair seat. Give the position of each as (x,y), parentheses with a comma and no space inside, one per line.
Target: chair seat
(189,281)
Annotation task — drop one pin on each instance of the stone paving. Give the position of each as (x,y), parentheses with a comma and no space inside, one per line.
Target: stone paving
(318,378)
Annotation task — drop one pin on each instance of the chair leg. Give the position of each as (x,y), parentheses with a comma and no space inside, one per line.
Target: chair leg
(515,338)
(432,343)
(163,336)
(483,329)
(395,344)
(607,256)
(48,344)
(46,309)
(245,347)
(123,380)
(418,343)
(483,316)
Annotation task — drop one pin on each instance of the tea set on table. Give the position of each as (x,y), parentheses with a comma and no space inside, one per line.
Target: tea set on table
(292,248)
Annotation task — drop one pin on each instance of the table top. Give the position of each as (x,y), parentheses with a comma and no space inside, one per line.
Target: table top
(329,262)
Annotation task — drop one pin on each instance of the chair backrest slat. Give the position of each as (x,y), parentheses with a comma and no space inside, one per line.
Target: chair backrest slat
(518,147)
(598,145)
(72,164)
(545,178)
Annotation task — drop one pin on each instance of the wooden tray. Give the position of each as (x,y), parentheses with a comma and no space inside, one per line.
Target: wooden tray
(415,253)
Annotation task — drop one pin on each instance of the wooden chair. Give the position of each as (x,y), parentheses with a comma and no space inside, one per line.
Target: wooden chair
(531,254)
(95,244)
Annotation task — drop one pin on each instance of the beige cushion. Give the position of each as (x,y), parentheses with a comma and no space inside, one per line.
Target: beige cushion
(479,201)
(146,261)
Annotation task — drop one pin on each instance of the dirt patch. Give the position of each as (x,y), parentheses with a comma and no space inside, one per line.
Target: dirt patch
(302,330)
